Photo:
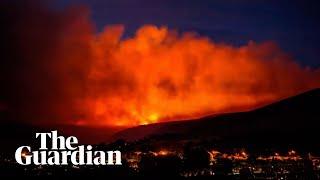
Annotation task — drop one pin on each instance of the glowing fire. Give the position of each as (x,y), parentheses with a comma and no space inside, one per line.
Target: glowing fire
(158,75)
(76,76)
(163,152)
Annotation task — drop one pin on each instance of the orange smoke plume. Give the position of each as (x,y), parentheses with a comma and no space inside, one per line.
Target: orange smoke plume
(160,75)
(60,71)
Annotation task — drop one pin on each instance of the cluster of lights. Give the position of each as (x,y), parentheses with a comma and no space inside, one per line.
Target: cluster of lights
(292,155)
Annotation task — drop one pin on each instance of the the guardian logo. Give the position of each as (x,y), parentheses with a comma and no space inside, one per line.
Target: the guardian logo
(64,151)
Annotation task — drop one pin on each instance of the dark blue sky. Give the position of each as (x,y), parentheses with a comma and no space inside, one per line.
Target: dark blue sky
(294,25)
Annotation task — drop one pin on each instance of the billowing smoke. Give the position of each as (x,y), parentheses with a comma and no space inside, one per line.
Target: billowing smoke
(56,69)
(45,61)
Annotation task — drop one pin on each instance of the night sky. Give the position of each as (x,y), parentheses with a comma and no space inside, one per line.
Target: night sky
(294,25)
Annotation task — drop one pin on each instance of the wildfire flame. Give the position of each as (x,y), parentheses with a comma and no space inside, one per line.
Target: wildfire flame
(74,75)
(159,75)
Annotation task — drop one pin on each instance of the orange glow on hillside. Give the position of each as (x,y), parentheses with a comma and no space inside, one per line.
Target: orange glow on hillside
(67,73)
(158,75)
